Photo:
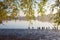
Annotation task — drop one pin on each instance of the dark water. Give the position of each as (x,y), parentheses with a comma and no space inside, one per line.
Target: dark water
(20,33)
(29,34)
(17,32)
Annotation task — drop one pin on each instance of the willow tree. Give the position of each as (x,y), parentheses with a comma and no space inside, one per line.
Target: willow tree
(27,7)
(3,14)
(12,7)
(7,7)
(41,9)
(57,15)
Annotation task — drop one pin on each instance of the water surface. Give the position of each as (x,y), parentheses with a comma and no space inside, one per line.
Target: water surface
(22,24)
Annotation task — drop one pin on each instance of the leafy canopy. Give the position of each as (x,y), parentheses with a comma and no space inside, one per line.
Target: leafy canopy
(12,7)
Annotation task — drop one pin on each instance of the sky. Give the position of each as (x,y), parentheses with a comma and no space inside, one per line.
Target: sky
(1,0)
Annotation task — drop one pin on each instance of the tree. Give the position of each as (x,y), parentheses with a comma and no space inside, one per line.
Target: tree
(5,8)
(12,7)
(3,14)
(27,7)
(57,15)
(41,9)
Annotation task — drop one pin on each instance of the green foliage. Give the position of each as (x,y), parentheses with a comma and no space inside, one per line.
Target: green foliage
(57,15)
(26,3)
(30,14)
(3,9)
(41,7)
(14,6)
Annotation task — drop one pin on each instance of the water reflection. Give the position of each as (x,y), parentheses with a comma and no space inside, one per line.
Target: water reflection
(21,24)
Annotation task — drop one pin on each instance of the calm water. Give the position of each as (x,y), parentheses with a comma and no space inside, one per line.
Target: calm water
(20,24)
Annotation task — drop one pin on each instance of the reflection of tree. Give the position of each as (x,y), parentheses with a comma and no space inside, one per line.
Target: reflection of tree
(30,24)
